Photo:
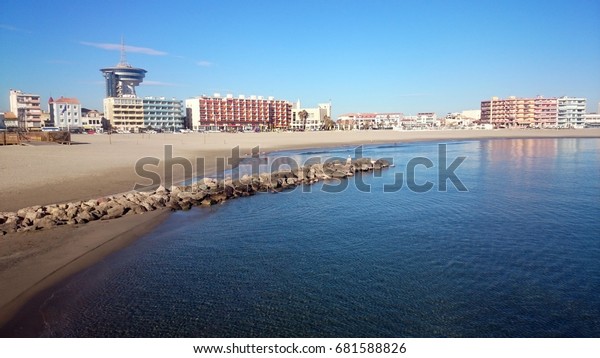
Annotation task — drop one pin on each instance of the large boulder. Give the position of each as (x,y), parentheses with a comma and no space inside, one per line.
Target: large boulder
(44,223)
(114,212)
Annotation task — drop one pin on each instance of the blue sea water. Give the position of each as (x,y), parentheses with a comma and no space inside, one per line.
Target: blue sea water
(517,255)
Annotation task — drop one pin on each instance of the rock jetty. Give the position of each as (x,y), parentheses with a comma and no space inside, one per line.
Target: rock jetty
(204,192)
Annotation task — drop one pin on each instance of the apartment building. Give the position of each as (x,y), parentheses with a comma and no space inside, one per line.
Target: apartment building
(229,113)
(163,113)
(539,112)
(26,107)
(309,119)
(124,113)
(65,113)
(571,111)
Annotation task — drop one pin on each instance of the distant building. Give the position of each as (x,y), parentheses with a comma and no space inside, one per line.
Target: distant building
(349,121)
(161,113)
(473,115)
(388,120)
(315,117)
(91,119)
(539,112)
(11,122)
(427,119)
(571,111)
(592,120)
(226,113)
(124,113)
(122,79)
(26,107)
(65,113)
(45,119)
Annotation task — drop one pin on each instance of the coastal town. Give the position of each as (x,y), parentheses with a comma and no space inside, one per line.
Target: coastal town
(125,112)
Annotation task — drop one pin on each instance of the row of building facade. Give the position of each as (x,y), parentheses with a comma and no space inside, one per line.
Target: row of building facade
(224,113)
(562,112)
(253,113)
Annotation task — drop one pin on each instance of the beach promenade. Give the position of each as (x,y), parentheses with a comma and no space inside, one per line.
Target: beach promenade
(101,165)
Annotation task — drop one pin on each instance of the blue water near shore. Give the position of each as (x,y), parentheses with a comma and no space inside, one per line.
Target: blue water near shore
(517,255)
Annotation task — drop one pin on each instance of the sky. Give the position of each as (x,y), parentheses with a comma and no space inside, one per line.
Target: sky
(363,56)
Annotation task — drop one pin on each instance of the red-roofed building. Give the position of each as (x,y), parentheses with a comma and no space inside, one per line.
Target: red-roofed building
(65,113)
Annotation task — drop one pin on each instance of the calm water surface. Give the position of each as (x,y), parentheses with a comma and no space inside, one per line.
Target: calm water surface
(518,255)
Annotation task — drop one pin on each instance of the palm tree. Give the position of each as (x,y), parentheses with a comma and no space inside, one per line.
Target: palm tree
(303,114)
(328,124)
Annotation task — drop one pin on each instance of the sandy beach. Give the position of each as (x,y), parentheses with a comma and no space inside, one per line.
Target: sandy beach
(101,165)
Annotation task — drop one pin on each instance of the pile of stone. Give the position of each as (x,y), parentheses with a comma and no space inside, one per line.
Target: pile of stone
(204,192)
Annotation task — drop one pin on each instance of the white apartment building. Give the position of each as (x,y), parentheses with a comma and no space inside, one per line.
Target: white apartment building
(427,119)
(315,117)
(571,111)
(65,113)
(388,120)
(26,107)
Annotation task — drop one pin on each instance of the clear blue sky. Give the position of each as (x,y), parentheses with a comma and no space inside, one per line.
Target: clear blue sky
(366,56)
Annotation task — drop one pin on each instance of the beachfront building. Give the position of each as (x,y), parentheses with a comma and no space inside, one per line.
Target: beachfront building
(388,120)
(533,112)
(349,121)
(163,113)
(91,120)
(26,107)
(427,120)
(65,113)
(545,112)
(122,79)
(11,122)
(507,113)
(571,111)
(592,120)
(122,108)
(125,114)
(309,119)
(466,118)
(241,113)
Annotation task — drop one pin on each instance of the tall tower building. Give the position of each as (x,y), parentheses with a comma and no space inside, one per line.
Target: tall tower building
(122,107)
(122,79)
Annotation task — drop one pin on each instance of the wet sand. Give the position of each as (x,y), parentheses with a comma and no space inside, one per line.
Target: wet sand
(102,165)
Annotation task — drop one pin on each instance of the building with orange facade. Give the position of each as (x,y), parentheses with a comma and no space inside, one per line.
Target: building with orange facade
(241,113)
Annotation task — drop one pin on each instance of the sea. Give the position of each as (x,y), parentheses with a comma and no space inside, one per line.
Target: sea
(478,238)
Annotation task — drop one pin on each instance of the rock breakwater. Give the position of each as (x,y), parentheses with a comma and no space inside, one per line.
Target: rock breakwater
(204,192)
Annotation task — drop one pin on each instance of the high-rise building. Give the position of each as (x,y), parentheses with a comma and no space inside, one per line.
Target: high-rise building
(162,113)
(122,79)
(26,107)
(121,106)
(225,113)
(65,113)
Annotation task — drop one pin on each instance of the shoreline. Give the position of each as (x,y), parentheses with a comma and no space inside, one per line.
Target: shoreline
(31,263)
